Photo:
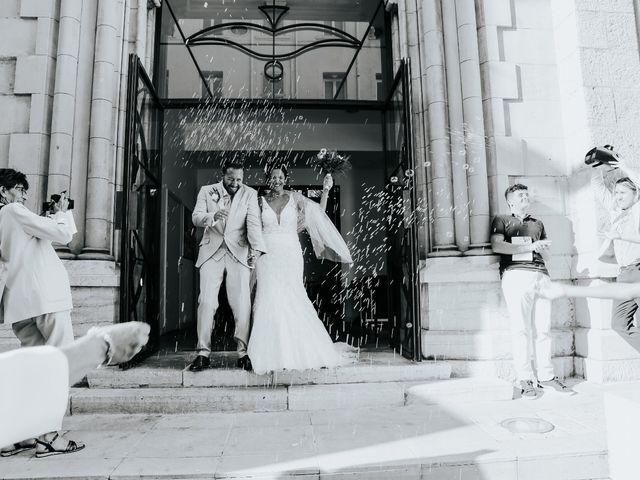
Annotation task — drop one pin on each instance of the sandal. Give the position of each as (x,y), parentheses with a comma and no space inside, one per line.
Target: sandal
(50,450)
(18,448)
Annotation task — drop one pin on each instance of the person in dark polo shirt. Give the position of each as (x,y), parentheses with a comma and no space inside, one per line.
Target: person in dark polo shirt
(522,243)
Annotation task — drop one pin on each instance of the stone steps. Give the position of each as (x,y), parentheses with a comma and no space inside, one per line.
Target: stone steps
(308,397)
(484,345)
(384,368)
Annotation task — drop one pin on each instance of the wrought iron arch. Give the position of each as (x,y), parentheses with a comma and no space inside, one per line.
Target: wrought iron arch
(273,68)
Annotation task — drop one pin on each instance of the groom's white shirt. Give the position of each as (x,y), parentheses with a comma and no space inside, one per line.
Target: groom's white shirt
(242,228)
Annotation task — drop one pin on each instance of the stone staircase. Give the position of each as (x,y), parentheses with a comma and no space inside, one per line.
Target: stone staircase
(164,385)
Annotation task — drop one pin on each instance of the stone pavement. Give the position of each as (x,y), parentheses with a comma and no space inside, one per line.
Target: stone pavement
(458,439)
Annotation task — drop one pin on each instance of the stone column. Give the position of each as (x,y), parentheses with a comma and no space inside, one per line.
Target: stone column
(456,126)
(434,69)
(141,31)
(474,127)
(99,212)
(419,137)
(395,35)
(64,99)
(82,119)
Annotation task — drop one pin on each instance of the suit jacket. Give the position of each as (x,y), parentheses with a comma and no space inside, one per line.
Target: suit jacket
(242,228)
(33,280)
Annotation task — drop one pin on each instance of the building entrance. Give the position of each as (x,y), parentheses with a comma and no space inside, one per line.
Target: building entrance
(176,145)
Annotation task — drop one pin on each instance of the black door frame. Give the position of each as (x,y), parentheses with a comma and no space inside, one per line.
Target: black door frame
(405,229)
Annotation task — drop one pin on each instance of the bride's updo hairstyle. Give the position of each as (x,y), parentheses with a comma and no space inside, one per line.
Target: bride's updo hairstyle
(270,167)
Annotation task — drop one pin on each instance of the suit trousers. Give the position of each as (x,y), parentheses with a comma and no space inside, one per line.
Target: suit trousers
(54,329)
(212,273)
(530,319)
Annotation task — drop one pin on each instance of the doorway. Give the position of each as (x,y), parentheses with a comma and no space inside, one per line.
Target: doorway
(209,103)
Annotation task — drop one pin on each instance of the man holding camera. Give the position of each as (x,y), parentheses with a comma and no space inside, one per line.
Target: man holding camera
(34,285)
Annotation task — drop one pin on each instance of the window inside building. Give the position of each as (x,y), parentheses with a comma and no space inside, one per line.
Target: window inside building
(214,82)
(332,81)
(379,87)
(339,24)
(272,88)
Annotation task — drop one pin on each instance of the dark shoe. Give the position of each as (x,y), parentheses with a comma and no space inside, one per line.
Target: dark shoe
(200,363)
(245,362)
(47,449)
(527,390)
(555,385)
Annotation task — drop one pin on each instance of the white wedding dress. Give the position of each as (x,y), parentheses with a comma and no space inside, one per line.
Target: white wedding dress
(286,332)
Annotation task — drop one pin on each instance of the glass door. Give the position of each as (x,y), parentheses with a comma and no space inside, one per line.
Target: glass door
(402,238)
(141,202)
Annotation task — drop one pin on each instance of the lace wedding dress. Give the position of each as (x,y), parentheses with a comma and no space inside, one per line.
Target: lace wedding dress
(287,333)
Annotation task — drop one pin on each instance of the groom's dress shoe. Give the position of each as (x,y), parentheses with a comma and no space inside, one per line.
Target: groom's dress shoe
(200,363)
(245,362)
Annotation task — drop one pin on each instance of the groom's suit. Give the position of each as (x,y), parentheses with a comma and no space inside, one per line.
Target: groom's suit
(225,248)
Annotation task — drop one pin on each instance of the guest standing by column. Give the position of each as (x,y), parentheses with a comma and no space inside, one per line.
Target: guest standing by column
(522,243)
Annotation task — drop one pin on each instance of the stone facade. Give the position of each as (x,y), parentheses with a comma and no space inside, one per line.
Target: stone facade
(555,78)
(503,92)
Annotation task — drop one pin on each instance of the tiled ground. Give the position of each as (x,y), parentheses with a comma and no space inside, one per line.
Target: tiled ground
(453,440)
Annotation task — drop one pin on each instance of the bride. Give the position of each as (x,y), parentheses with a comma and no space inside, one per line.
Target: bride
(287,333)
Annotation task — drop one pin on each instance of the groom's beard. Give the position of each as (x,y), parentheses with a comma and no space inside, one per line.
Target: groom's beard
(231,190)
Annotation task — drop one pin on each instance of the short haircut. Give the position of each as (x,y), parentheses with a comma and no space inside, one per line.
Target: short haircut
(233,165)
(10,178)
(627,182)
(514,188)
(276,166)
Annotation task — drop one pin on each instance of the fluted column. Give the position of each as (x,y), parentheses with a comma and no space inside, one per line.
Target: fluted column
(456,126)
(434,69)
(64,99)
(64,95)
(99,209)
(414,9)
(395,35)
(474,127)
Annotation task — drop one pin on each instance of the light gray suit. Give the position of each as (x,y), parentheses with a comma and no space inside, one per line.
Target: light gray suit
(225,248)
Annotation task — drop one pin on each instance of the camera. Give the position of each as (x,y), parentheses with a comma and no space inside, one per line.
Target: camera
(55,198)
(601,156)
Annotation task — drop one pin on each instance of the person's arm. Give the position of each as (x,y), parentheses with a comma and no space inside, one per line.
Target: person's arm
(327,183)
(499,245)
(254,225)
(113,344)
(605,195)
(616,291)
(200,216)
(55,228)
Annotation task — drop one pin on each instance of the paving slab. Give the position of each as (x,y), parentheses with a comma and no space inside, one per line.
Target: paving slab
(449,440)
(169,400)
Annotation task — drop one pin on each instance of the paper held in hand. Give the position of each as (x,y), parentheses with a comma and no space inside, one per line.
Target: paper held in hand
(522,257)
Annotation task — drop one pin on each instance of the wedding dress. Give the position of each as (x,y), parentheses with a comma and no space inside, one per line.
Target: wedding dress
(287,333)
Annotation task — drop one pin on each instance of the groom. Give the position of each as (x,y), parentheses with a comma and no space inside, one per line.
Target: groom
(232,240)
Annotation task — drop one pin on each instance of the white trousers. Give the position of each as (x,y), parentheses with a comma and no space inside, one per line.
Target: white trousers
(530,324)
(54,329)
(212,273)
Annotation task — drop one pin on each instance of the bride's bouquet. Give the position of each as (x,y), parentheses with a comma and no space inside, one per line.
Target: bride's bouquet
(330,161)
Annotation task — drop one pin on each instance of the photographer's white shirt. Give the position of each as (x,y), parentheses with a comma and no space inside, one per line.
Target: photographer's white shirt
(33,280)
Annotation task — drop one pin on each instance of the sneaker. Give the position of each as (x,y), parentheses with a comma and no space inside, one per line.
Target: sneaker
(527,390)
(555,385)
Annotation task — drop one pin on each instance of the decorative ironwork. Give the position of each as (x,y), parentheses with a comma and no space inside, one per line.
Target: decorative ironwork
(273,68)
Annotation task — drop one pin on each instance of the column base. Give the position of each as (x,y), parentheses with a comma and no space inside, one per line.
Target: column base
(445,251)
(479,249)
(95,254)
(65,253)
